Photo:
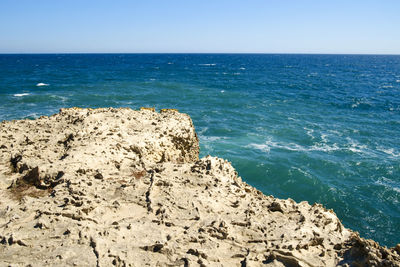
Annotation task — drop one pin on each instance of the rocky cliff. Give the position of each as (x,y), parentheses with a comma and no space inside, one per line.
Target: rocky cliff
(103,187)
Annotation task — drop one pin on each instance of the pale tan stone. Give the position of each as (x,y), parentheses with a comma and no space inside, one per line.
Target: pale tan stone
(126,188)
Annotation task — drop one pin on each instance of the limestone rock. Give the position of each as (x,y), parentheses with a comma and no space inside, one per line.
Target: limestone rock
(101,187)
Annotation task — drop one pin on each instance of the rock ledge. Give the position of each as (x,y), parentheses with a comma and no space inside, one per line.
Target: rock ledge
(103,187)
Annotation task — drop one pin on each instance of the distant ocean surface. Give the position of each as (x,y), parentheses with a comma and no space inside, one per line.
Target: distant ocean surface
(320,128)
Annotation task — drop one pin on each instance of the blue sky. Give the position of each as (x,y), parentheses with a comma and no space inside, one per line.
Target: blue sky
(246,26)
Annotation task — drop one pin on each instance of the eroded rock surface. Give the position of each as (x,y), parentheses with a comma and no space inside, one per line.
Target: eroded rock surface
(120,187)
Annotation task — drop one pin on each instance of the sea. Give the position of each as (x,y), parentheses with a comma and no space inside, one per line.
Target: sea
(317,128)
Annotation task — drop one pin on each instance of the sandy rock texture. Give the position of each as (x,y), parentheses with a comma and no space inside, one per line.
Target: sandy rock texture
(118,187)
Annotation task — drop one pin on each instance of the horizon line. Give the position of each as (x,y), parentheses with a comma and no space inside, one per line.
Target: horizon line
(194,53)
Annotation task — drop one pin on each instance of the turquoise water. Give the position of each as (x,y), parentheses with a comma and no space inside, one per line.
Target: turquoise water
(321,128)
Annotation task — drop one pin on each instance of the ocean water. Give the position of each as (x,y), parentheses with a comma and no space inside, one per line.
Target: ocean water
(320,128)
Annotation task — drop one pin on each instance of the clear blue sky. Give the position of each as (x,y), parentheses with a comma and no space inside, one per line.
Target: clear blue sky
(250,26)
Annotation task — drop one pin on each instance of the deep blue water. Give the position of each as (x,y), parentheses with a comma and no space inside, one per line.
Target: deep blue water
(321,128)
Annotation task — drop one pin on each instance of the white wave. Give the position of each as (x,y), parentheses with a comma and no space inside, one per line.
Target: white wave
(387,86)
(152,79)
(222,91)
(335,132)
(397,81)
(19,95)
(291,147)
(305,173)
(389,151)
(266,147)
(322,146)
(262,147)
(356,104)
(355,147)
(208,139)
(42,84)
(296,147)
(242,68)
(208,64)
(309,132)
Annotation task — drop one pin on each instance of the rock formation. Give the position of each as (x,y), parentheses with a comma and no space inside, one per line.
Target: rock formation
(104,187)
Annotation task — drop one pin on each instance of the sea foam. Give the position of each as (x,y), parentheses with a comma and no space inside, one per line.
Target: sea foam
(42,84)
(23,94)
(389,151)
(320,146)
